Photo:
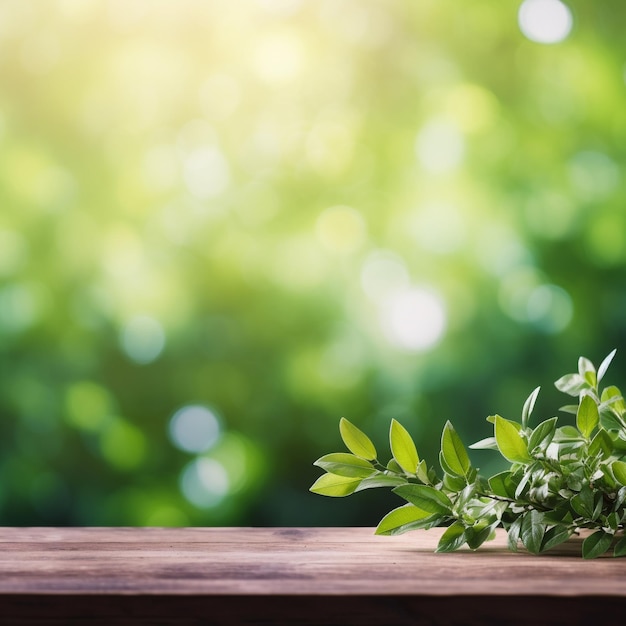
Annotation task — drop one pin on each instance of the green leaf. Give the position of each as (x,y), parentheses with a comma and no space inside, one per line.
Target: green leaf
(356,440)
(571,384)
(479,533)
(605,365)
(590,377)
(610,421)
(513,534)
(555,536)
(452,539)
(422,472)
(335,486)
(619,442)
(393,466)
(612,396)
(403,447)
(601,444)
(523,485)
(453,483)
(532,531)
(488,443)
(611,393)
(380,480)
(567,434)
(583,502)
(402,519)
(596,544)
(510,441)
(587,417)
(619,471)
(425,498)
(609,477)
(560,515)
(344,464)
(529,405)
(613,520)
(543,434)
(620,498)
(569,408)
(585,366)
(620,547)
(453,451)
(502,485)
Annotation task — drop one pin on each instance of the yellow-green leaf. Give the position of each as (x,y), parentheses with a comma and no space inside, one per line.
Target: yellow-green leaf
(425,498)
(452,539)
(356,440)
(403,448)
(453,451)
(335,486)
(344,464)
(510,442)
(587,417)
(619,471)
(398,520)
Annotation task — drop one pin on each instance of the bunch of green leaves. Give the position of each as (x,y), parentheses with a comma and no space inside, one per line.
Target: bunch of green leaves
(561,478)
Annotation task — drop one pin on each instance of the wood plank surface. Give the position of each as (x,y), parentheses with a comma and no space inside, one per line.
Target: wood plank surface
(289,575)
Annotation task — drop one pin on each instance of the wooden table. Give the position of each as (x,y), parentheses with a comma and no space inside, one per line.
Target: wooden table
(98,576)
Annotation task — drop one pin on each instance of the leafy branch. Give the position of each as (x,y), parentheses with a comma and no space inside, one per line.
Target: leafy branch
(561,478)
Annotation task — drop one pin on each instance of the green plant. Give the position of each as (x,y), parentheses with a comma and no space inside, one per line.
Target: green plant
(561,478)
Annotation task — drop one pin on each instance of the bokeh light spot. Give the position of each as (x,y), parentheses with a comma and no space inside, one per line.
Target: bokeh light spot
(204,482)
(525,297)
(439,147)
(13,252)
(383,273)
(21,305)
(88,405)
(545,21)
(472,107)
(143,339)
(160,168)
(219,96)
(194,428)
(594,175)
(606,239)
(550,308)
(206,172)
(278,57)
(123,445)
(438,227)
(341,229)
(515,291)
(297,263)
(330,146)
(414,319)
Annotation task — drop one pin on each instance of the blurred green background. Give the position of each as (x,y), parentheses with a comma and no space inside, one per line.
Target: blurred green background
(224,225)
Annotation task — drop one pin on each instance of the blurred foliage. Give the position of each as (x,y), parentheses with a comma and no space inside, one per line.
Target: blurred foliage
(224,225)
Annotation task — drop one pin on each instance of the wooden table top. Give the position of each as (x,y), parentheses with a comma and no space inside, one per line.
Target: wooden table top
(303,576)
(286,561)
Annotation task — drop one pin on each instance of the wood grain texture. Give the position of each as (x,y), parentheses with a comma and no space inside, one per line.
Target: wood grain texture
(290,575)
